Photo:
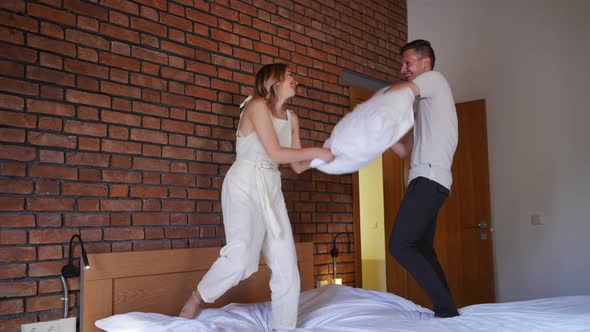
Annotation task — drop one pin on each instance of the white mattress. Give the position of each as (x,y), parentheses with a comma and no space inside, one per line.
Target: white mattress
(342,308)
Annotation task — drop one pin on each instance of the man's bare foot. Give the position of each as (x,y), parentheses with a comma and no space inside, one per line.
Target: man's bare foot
(192,306)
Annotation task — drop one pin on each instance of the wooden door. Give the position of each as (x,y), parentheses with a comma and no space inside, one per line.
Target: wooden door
(357,96)
(463,240)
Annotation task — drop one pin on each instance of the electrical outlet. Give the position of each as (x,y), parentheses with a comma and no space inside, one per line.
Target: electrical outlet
(59,325)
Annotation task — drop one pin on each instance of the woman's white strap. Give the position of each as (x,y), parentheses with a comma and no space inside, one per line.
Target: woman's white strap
(242,105)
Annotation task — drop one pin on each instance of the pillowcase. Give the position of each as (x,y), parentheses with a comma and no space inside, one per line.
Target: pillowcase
(369,130)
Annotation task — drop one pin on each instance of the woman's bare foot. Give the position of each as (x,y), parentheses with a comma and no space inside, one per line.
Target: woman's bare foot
(192,306)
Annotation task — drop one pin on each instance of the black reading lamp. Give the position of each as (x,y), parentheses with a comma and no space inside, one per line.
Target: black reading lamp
(70,270)
(335,252)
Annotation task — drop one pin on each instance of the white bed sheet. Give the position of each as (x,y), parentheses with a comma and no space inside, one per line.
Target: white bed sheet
(341,308)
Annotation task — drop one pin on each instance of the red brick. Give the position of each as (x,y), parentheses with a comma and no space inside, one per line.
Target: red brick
(52,92)
(52,30)
(11,85)
(18,289)
(87,98)
(120,162)
(50,204)
(86,220)
(52,124)
(113,234)
(151,245)
(118,18)
(178,180)
(123,5)
(89,159)
(203,194)
(150,219)
(17,254)
(14,152)
(52,172)
(90,144)
(88,83)
(83,38)
(117,132)
(148,81)
(120,89)
(87,54)
(149,136)
(118,219)
(47,107)
(118,190)
(87,9)
(178,49)
(17,220)
(84,189)
(42,303)
(86,68)
(46,139)
(178,153)
(151,150)
(150,122)
(8,186)
(49,220)
(12,135)
(148,192)
(37,10)
(121,147)
(120,118)
(13,271)
(154,233)
(87,113)
(9,168)
(85,128)
(118,61)
(178,206)
(120,205)
(11,102)
(11,204)
(18,53)
(88,205)
(47,188)
(87,23)
(151,164)
(119,33)
(48,75)
(50,60)
(18,21)
(9,68)
(50,156)
(11,307)
(54,285)
(150,109)
(202,143)
(175,21)
(181,232)
(121,176)
(49,252)
(203,118)
(51,236)
(151,178)
(51,45)
(14,237)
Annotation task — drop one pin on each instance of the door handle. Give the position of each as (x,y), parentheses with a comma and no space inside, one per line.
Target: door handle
(482,225)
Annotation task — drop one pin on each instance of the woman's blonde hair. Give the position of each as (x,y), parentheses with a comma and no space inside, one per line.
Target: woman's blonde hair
(267,81)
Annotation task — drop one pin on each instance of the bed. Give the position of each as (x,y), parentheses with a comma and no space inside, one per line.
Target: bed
(143,291)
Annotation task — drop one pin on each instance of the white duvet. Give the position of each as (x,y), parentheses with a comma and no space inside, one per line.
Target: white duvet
(367,131)
(342,308)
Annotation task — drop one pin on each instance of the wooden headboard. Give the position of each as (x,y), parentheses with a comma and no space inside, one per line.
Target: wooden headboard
(161,280)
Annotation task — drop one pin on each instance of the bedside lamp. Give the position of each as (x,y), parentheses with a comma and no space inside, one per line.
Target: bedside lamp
(334,253)
(70,271)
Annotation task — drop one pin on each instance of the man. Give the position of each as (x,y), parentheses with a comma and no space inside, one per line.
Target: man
(432,143)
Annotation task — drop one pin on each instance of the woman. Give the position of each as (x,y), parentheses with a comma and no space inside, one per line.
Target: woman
(254,212)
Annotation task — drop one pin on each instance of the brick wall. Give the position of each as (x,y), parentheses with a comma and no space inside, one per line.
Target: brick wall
(117,121)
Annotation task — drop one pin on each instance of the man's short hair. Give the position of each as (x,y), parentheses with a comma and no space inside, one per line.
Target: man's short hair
(422,47)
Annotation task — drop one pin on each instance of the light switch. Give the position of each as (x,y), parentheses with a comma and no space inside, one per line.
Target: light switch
(536,219)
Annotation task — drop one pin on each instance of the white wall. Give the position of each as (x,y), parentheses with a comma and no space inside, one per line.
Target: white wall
(530,60)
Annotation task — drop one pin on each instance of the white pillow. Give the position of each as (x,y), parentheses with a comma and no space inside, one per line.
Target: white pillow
(365,133)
